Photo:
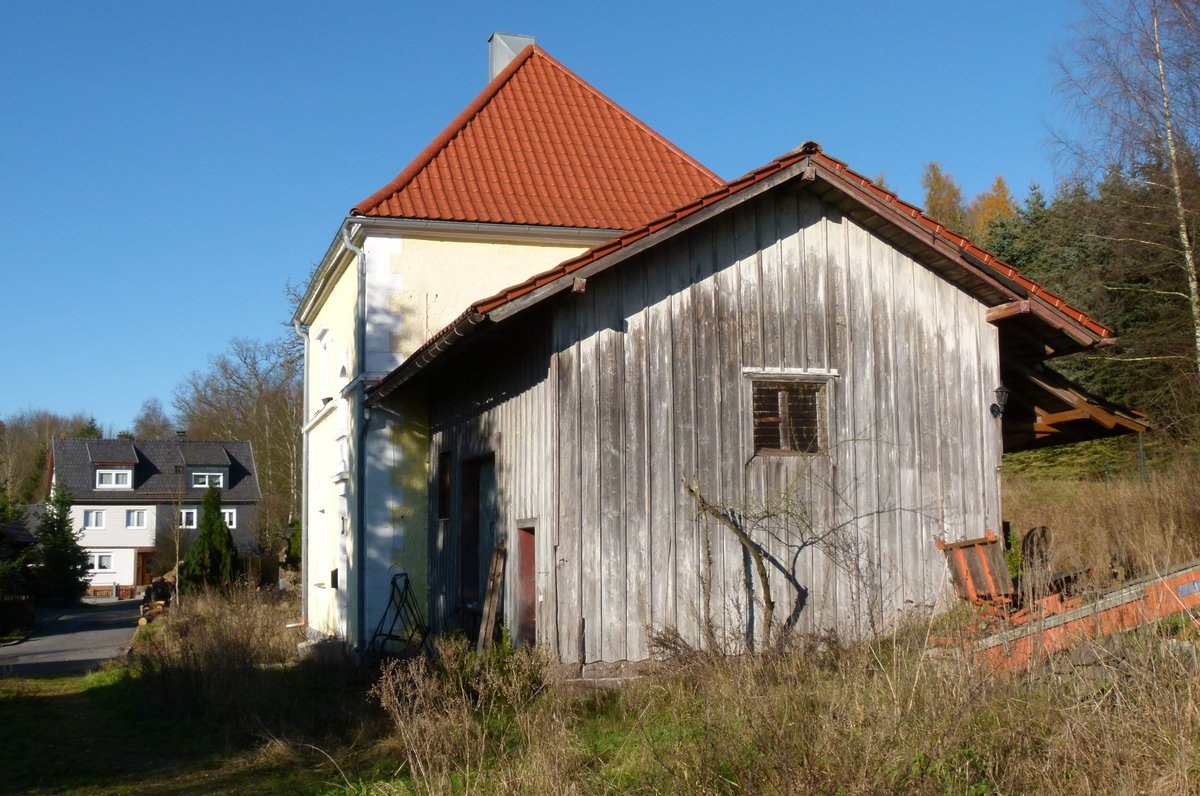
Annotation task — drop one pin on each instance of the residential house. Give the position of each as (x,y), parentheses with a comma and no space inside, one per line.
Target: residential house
(129,495)
(539,167)
(836,372)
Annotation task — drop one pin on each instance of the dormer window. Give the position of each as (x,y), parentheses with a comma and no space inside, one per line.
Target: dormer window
(202,480)
(113,479)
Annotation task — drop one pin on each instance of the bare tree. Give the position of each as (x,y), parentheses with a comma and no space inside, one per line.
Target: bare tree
(152,421)
(252,392)
(1133,73)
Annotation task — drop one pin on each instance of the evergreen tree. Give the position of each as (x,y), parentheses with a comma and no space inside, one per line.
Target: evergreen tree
(64,564)
(210,559)
(14,559)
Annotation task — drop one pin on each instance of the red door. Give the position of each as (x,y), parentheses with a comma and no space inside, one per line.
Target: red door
(526,588)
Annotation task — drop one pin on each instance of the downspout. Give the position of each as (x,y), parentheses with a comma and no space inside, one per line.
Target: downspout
(302,333)
(358,535)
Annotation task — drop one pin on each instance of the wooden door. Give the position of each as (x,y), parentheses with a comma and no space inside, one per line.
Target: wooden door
(526,629)
(476,540)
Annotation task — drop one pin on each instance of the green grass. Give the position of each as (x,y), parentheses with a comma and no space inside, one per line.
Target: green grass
(102,733)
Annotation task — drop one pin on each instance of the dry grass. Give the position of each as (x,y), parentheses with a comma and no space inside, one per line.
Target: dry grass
(884,716)
(228,661)
(1117,523)
(887,716)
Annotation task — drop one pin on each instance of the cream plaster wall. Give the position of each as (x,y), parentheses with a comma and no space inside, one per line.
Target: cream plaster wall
(329,428)
(415,286)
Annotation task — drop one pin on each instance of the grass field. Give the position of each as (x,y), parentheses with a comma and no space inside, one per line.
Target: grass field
(215,701)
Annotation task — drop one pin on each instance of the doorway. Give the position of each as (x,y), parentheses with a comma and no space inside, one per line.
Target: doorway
(476,540)
(526,629)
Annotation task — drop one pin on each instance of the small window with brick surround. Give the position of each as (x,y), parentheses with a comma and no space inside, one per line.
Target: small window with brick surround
(789,416)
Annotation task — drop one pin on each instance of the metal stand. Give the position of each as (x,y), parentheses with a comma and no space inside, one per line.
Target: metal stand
(402,631)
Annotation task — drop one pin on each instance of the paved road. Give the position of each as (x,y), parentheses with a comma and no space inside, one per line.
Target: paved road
(80,639)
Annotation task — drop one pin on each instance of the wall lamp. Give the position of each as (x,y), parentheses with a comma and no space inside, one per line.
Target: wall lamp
(1002,394)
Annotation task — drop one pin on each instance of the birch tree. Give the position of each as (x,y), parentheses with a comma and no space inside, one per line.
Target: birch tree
(1133,73)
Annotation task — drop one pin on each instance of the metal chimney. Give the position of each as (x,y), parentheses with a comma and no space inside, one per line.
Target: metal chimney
(502,48)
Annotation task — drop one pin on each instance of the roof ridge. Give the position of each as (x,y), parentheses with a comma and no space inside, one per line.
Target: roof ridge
(443,139)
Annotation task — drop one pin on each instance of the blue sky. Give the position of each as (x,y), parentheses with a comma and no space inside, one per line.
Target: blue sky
(165,168)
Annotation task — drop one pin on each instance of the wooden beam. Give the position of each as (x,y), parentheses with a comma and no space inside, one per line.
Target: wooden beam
(1009,310)
(1063,417)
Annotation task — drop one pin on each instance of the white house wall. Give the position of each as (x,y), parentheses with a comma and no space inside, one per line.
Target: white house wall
(114,533)
(329,431)
(123,570)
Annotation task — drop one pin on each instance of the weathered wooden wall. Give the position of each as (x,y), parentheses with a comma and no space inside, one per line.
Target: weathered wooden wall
(496,402)
(640,384)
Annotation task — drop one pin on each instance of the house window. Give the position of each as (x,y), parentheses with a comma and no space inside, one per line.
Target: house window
(789,416)
(135,518)
(93,519)
(230,517)
(208,479)
(112,479)
(187,518)
(100,562)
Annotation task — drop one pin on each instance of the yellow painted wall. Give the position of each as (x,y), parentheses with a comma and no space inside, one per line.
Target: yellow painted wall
(433,281)
(325,448)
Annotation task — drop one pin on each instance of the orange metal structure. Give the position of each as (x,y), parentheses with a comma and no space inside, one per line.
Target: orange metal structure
(1124,607)
(1055,622)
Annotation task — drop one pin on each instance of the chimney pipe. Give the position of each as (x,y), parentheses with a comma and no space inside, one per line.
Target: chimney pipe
(502,48)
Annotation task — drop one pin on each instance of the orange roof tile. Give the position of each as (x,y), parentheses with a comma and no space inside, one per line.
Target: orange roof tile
(830,168)
(833,166)
(540,146)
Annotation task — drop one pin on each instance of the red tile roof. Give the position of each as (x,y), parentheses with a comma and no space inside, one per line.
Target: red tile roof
(833,166)
(540,146)
(829,168)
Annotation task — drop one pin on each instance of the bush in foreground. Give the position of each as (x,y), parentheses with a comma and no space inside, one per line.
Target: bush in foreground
(228,660)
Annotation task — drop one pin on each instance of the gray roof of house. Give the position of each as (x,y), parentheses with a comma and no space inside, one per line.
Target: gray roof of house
(159,469)
(205,454)
(110,451)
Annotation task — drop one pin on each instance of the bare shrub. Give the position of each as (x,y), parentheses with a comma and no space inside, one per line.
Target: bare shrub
(219,657)
(457,710)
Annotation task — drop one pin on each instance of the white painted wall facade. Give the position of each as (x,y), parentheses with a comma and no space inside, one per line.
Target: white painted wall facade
(415,284)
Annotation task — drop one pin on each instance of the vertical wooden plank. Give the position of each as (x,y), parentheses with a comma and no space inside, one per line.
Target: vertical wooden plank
(684,328)
(907,401)
(568,562)
(550,501)
(950,405)
(891,520)
(834,608)
(792,209)
(660,448)
(926,383)
(772,284)
(741,345)
(864,582)
(614,579)
(813,263)
(589,443)
(706,354)
(636,476)
(975,399)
